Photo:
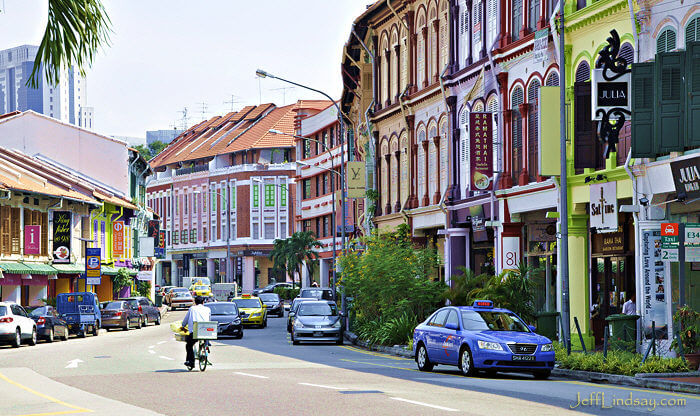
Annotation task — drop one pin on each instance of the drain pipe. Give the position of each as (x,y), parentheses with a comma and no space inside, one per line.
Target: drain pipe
(635,215)
(634,33)
(388,4)
(499,129)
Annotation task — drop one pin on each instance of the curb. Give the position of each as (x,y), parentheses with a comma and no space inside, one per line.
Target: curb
(398,351)
(644,380)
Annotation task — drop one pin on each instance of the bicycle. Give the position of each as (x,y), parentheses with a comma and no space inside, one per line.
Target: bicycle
(203,332)
(201,354)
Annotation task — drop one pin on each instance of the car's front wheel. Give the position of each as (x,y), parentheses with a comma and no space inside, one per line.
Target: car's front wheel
(50,337)
(466,362)
(17,342)
(422,360)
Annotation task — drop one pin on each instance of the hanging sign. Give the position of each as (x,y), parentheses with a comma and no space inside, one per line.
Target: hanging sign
(686,177)
(654,288)
(609,95)
(32,239)
(118,239)
(691,243)
(669,241)
(604,207)
(61,236)
(355,179)
(511,253)
(92,265)
(539,51)
(481,156)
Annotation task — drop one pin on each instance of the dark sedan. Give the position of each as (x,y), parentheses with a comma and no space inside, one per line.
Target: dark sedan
(49,324)
(120,314)
(317,321)
(274,304)
(149,312)
(271,288)
(228,319)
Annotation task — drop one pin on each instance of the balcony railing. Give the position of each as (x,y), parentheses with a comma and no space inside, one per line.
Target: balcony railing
(191,169)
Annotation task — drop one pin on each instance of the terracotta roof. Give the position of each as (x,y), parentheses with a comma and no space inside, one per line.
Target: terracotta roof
(245,129)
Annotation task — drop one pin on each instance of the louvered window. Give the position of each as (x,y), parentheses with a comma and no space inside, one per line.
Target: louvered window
(583,72)
(492,107)
(443,156)
(492,22)
(404,167)
(421,164)
(393,69)
(384,62)
(692,31)
(477,21)
(404,61)
(420,58)
(627,53)
(552,80)
(444,37)
(532,127)
(580,4)
(517,19)
(464,34)
(517,98)
(534,14)
(433,169)
(464,150)
(666,41)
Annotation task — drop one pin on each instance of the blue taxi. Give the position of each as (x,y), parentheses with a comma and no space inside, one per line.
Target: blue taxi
(481,337)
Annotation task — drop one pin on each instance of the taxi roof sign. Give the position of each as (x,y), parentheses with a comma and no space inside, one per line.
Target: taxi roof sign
(483,304)
(246,295)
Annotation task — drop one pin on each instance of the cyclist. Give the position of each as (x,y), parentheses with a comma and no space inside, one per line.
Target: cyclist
(196,313)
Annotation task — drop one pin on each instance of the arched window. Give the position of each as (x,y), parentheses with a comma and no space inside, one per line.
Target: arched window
(478,107)
(433,169)
(420,180)
(517,19)
(533,127)
(517,98)
(444,36)
(666,42)
(627,53)
(692,31)
(420,53)
(552,79)
(583,72)
(477,21)
(464,31)
(385,190)
(443,154)
(394,175)
(404,167)
(491,22)
(384,62)
(394,78)
(464,150)
(492,107)
(403,82)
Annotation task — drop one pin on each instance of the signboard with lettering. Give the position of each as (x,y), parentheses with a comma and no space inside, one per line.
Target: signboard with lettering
(686,178)
(608,95)
(511,253)
(32,239)
(160,247)
(542,232)
(355,179)
(61,236)
(604,207)
(93,262)
(153,227)
(654,287)
(480,149)
(118,238)
(692,242)
(539,50)
(669,241)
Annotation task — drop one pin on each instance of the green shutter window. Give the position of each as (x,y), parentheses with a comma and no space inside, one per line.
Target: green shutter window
(269,195)
(666,42)
(669,113)
(256,190)
(233,197)
(213,200)
(692,73)
(643,110)
(283,195)
(692,32)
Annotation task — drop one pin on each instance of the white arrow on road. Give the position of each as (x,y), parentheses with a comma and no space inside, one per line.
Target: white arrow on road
(74,363)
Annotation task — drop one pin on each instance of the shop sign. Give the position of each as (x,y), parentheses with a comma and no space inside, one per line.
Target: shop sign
(32,239)
(654,286)
(613,243)
(61,236)
(669,241)
(144,275)
(355,179)
(686,177)
(92,266)
(540,46)
(604,207)
(609,95)
(160,247)
(692,242)
(511,253)
(118,238)
(542,232)
(480,148)
(153,228)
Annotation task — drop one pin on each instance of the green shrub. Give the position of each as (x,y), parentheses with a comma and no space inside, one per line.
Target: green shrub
(287,293)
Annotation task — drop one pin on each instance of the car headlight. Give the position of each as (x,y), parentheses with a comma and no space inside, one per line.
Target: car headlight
(298,324)
(487,345)
(337,324)
(546,347)
(236,321)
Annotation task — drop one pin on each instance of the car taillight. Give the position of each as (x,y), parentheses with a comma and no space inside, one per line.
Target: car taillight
(41,321)
(6,320)
(117,314)
(140,310)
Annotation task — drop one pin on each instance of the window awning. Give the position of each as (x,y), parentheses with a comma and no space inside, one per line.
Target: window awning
(69,268)
(15,267)
(109,270)
(40,268)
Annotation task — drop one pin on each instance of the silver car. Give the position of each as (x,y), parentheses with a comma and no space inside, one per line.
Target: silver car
(317,321)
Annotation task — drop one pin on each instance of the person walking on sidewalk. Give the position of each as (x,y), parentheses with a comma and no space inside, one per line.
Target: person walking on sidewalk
(196,313)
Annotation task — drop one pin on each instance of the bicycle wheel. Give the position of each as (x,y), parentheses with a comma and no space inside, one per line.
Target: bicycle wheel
(203,355)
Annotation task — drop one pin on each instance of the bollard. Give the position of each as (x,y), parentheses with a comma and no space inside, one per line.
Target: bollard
(580,337)
(653,331)
(605,342)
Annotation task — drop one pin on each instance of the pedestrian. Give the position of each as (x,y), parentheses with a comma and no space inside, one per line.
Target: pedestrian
(196,313)
(629,308)
(314,284)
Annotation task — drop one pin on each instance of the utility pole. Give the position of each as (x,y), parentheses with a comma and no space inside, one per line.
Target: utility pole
(563,191)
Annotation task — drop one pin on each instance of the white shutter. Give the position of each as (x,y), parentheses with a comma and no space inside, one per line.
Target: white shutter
(464,151)
(492,21)
(464,34)
(476,29)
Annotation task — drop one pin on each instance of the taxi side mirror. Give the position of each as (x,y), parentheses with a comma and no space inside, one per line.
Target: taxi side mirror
(533,328)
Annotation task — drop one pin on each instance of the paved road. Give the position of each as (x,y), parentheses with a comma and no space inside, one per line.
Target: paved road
(140,372)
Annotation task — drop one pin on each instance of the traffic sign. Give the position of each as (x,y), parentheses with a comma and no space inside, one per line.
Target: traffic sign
(92,263)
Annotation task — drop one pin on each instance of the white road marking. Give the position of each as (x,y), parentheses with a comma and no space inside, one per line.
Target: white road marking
(249,375)
(150,347)
(166,358)
(151,351)
(74,363)
(323,387)
(448,409)
(162,342)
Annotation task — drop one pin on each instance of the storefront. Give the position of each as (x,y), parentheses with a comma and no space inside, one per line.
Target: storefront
(469,242)
(25,283)
(541,257)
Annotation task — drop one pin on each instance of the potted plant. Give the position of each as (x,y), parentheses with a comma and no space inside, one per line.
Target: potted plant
(688,321)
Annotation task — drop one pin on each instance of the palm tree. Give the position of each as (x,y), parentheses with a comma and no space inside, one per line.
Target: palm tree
(74,31)
(280,256)
(290,254)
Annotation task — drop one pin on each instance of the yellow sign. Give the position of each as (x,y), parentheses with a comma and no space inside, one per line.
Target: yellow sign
(355,179)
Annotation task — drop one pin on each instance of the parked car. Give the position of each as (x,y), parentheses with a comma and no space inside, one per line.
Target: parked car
(120,314)
(228,317)
(81,311)
(49,325)
(273,303)
(481,337)
(292,310)
(320,293)
(16,325)
(271,288)
(252,310)
(317,321)
(164,291)
(149,312)
(180,297)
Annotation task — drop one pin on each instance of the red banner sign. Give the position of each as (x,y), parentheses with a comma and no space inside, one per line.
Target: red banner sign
(32,239)
(118,238)
(480,151)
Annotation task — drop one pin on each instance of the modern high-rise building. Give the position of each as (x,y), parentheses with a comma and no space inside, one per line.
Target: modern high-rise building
(165,136)
(65,101)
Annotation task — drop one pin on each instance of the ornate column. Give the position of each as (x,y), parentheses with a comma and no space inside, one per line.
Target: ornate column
(524,178)
(542,22)
(424,33)
(453,168)
(506,142)
(377,74)
(504,36)
(482,54)
(378,169)
(453,25)
(436,143)
(387,206)
(524,30)
(426,201)
(397,155)
(411,45)
(470,58)
(397,51)
(436,63)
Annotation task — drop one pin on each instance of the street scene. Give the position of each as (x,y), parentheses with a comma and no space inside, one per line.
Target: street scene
(349,207)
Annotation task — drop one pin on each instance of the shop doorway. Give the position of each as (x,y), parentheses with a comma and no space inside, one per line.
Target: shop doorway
(612,285)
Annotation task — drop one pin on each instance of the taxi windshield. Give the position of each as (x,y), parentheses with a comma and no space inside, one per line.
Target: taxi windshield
(201,288)
(248,303)
(492,321)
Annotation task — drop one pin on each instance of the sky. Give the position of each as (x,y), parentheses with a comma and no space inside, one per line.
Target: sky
(165,55)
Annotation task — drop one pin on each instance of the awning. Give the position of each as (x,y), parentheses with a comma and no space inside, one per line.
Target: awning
(15,267)
(109,270)
(40,268)
(133,272)
(69,268)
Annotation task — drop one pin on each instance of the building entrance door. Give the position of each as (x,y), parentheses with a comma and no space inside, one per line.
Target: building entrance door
(613,283)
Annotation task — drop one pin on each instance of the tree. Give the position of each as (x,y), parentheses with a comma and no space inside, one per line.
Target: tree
(74,31)
(290,255)
(150,151)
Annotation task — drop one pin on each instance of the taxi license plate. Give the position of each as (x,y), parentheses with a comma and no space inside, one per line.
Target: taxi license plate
(318,334)
(523,358)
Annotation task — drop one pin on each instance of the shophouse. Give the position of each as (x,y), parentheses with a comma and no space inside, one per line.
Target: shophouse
(223,190)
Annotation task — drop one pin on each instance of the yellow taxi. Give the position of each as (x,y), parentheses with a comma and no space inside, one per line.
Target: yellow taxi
(200,290)
(252,310)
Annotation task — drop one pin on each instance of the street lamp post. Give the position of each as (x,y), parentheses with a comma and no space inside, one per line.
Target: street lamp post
(228,230)
(264,74)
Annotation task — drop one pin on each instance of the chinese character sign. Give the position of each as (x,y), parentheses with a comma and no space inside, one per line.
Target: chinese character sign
(118,238)
(480,149)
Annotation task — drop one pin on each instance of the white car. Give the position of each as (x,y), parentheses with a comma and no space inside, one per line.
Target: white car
(16,325)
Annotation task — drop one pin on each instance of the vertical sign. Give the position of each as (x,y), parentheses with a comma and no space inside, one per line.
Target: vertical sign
(160,246)
(480,149)
(654,288)
(92,266)
(511,253)
(355,179)
(669,241)
(118,239)
(604,207)
(61,236)
(692,243)
(32,239)
(540,46)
